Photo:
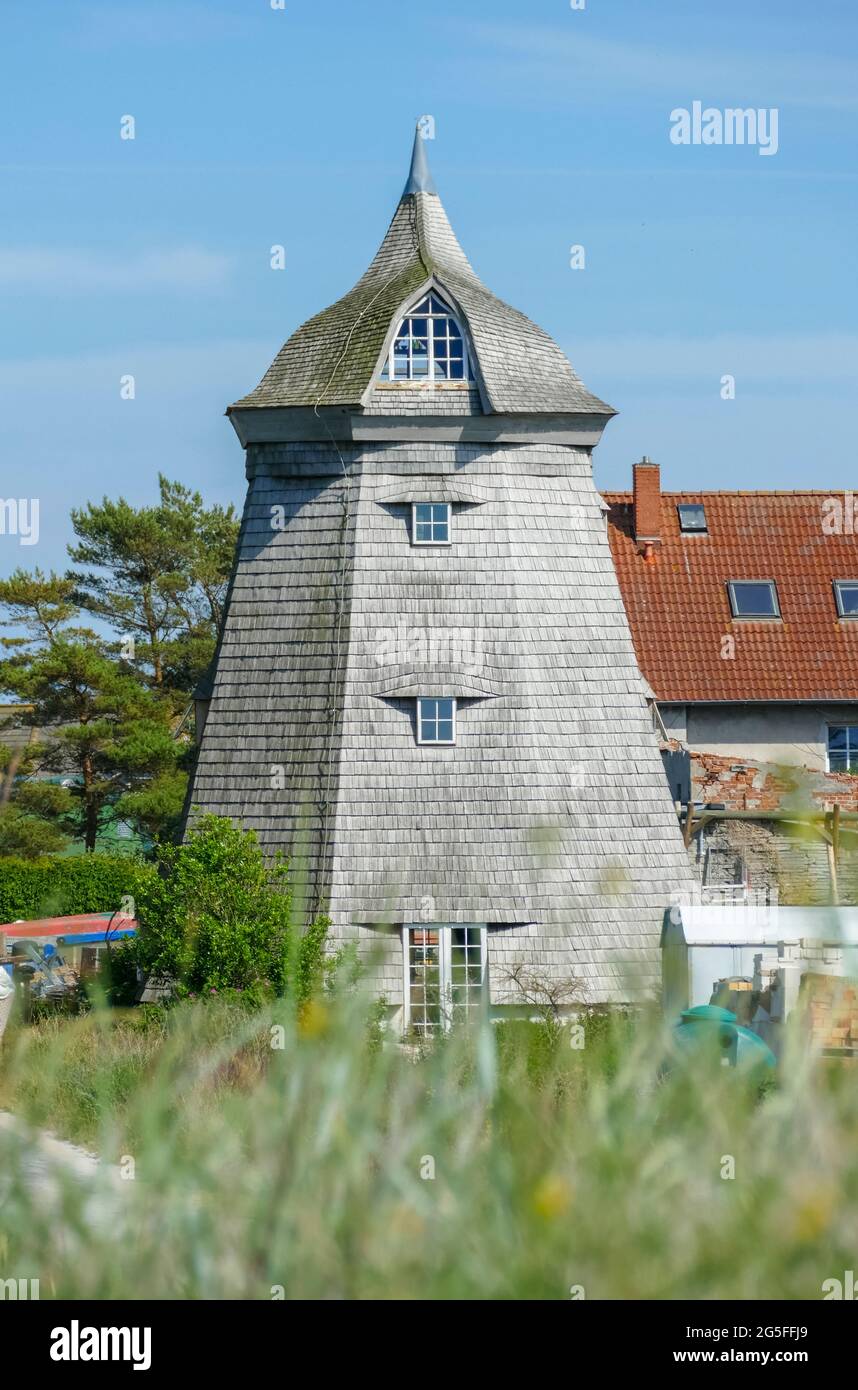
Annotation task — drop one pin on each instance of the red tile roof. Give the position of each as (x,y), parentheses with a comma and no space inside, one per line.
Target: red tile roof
(679,610)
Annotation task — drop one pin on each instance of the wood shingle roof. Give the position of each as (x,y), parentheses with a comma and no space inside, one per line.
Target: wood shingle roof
(333,358)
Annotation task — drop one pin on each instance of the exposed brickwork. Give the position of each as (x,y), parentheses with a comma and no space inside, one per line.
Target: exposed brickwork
(647,501)
(745,785)
(832,1010)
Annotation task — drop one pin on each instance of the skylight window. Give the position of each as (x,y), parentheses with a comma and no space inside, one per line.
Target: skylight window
(429,346)
(846,596)
(436,721)
(430,523)
(754,598)
(692,517)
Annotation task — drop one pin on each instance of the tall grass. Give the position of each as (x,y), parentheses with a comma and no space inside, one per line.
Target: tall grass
(500,1164)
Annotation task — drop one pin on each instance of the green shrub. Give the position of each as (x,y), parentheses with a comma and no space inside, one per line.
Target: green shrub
(217,917)
(56,886)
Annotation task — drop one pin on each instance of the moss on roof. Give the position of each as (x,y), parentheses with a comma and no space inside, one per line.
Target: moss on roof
(332,358)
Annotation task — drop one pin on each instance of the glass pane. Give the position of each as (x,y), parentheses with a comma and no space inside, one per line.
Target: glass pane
(400,366)
(445,709)
(440,346)
(420,366)
(456,370)
(836,740)
(692,516)
(435,305)
(440,370)
(445,731)
(848,598)
(422,307)
(423,511)
(754,600)
(440,532)
(419,328)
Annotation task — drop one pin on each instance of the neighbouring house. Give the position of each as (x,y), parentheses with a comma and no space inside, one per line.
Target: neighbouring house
(765,964)
(425,692)
(743,608)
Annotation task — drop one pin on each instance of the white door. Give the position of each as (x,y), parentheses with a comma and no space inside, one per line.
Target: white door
(444,974)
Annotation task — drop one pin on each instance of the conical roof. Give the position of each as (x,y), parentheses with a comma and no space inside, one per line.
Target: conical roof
(334,358)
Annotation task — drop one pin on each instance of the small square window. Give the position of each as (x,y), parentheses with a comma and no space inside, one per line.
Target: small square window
(436,720)
(753,598)
(846,596)
(430,523)
(692,516)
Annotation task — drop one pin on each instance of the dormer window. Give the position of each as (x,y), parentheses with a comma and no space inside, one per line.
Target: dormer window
(430,523)
(429,346)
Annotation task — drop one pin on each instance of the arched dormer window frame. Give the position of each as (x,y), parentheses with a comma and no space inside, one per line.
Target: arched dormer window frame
(429,346)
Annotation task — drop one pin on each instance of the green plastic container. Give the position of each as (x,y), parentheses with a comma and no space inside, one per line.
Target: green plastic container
(708,1025)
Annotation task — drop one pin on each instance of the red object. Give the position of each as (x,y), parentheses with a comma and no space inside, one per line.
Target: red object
(679,609)
(646,499)
(67,926)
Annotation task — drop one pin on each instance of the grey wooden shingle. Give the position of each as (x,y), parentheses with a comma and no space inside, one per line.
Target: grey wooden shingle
(333,358)
(550,819)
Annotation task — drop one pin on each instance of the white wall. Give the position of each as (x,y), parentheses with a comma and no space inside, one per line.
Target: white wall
(791,734)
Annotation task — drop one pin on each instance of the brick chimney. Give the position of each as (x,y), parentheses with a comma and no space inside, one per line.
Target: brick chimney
(646,501)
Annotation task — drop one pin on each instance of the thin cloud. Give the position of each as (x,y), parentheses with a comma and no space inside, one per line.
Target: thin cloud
(580,65)
(791,360)
(191,22)
(226,368)
(58,269)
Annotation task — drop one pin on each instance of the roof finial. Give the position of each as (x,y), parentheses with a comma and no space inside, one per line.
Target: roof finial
(419,178)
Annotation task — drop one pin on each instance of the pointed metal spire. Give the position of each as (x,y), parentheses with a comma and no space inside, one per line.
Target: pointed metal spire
(419,177)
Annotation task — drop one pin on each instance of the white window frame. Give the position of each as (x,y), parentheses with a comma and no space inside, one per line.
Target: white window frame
(434,742)
(849,584)
(754,617)
(414,537)
(446,1003)
(849,742)
(467,377)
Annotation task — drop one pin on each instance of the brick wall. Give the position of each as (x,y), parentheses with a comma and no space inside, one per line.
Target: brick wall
(745,785)
(832,1010)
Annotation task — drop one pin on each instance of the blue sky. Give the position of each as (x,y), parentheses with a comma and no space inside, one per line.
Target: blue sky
(257,126)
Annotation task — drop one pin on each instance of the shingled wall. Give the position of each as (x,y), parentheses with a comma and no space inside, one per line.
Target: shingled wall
(550,819)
